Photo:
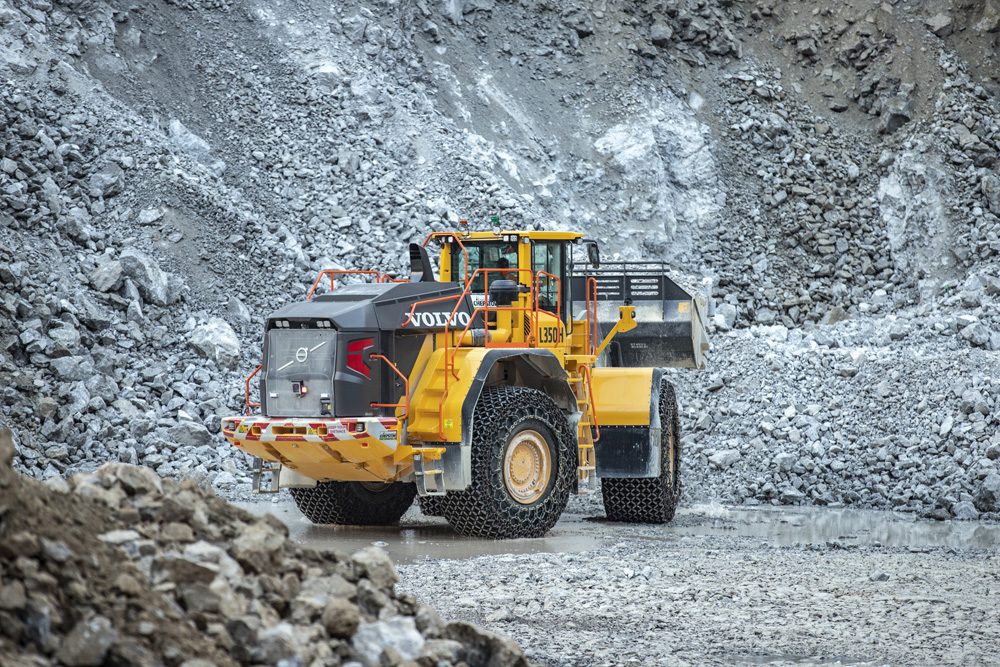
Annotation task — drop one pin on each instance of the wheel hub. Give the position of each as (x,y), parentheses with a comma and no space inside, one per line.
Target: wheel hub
(526,467)
(375,487)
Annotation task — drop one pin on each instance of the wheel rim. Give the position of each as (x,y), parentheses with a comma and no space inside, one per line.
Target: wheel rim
(527,465)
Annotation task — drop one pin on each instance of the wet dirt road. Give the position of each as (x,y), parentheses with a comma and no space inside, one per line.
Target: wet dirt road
(719,585)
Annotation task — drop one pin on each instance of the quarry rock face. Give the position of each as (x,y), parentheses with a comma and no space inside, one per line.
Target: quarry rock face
(828,176)
(836,231)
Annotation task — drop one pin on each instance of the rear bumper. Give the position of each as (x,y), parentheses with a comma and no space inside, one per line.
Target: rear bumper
(362,449)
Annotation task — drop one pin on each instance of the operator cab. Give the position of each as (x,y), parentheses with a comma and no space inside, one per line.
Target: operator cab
(542,257)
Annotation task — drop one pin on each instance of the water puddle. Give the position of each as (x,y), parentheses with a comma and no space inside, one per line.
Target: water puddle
(798,660)
(418,538)
(782,526)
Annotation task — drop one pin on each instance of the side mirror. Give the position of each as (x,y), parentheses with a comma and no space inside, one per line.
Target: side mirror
(594,255)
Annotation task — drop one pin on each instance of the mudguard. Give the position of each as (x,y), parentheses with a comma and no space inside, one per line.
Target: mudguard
(627,406)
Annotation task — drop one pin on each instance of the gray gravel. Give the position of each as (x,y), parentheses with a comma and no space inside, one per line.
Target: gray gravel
(716,588)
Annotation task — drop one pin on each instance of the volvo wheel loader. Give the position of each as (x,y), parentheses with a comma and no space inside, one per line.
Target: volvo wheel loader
(490,393)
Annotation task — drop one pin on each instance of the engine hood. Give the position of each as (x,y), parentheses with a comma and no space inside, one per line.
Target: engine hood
(382,306)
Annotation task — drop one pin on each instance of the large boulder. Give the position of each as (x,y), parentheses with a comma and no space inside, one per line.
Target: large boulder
(399,633)
(990,19)
(217,341)
(152,281)
(88,643)
(988,498)
(661,34)
(105,277)
(190,434)
(896,112)
(991,190)
(724,459)
(108,181)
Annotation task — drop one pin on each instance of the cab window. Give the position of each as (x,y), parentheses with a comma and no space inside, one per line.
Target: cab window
(548,257)
(484,255)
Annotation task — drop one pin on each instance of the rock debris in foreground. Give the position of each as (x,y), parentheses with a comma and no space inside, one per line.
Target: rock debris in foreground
(123,567)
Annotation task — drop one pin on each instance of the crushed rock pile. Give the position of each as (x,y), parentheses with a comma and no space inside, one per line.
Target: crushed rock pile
(873,414)
(138,255)
(122,567)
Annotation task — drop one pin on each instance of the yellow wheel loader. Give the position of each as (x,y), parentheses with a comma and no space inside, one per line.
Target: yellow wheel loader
(491,393)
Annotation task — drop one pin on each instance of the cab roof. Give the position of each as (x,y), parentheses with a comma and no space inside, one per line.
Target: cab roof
(499,235)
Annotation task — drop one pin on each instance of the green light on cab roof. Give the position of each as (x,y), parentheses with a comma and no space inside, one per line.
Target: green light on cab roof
(495,220)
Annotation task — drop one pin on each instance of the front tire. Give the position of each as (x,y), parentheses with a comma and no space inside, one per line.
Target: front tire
(431,505)
(652,500)
(355,503)
(523,467)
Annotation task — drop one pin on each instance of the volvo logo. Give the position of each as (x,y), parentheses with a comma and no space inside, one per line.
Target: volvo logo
(439,319)
(301,355)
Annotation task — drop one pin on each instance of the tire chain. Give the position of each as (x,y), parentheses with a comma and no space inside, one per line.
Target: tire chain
(348,503)
(431,505)
(486,509)
(651,500)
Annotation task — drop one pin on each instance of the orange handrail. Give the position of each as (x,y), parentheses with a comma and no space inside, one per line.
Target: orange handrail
(592,335)
(332,273)
(406,383)
(386,278)
(585,370)
(441,408)
(426,301)
(249,404)
(460,245)
(485,310)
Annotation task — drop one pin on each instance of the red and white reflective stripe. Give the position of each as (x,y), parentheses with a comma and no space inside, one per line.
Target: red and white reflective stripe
(382,429)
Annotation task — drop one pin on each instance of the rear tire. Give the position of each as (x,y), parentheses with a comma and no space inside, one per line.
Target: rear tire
(355,503)
(652,500)
(523,467)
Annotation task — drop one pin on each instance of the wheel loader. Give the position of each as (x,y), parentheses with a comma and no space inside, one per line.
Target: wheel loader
(490,393)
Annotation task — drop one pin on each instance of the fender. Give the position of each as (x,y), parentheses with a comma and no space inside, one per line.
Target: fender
(629,445)
(551,379)
(539,369)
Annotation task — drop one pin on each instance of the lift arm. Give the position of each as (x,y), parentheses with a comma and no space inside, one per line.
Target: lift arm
(626,322)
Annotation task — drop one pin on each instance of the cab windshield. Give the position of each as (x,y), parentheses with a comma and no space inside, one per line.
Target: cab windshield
(485,255)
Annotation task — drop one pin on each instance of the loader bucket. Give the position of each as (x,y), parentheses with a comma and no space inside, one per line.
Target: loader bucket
(670,331)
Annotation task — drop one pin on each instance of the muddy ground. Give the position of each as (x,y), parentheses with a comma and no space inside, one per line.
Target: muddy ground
(718,586)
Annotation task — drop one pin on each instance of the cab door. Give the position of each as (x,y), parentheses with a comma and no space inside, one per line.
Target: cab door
(548,265)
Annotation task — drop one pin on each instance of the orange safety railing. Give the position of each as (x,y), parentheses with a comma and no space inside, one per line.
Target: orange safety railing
(450,362)
(249,404)
(413,307)
(585,371)
(455,236)
(386,278)
(333,274)
(405,404)
(591,306)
